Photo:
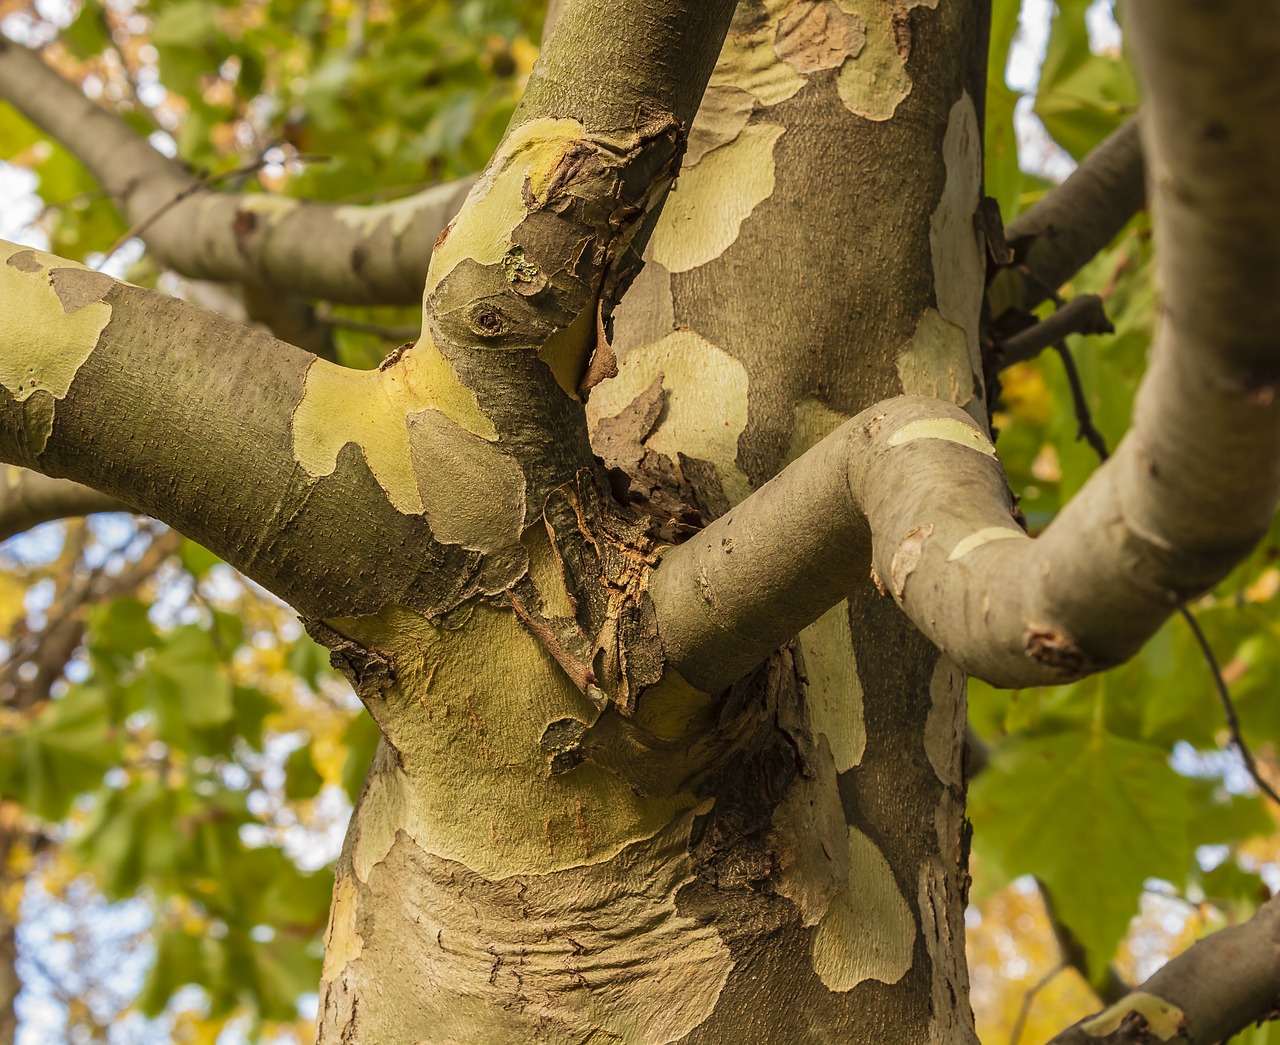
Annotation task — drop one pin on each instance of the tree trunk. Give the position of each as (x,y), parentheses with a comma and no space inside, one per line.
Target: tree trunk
(786,860)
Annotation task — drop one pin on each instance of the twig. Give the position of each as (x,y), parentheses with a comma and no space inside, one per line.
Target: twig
(1024,1011)
(202,180)
(1228,706)
(1085,428)
(1081,315)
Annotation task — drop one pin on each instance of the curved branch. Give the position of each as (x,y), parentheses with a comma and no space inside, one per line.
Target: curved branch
(1190,490)
(28,499)
(373,254)
(1211,991)
(1058,236)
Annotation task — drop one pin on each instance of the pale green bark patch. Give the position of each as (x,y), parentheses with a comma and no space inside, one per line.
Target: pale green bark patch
(705,211)
(874,82)
(472,494)
(706,403)
(47,339)
(370,408)
(723,114)
(950,429)
(1164,1020)
(984,536)
(812,422)
(514,182)
(834,692)
(935,362)
(809,839)
(958,269)
(748,61)
(868,932)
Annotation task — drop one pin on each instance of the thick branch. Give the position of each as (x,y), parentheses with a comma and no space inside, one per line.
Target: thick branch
(1190,490)
(1059,235)
(372,254)
(200,422)
(1215,989)
(28,499)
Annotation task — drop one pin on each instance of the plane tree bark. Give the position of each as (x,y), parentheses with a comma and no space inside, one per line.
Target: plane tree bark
(563,545)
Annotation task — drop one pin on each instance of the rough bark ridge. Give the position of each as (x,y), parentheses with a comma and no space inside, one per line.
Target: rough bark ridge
(616,800)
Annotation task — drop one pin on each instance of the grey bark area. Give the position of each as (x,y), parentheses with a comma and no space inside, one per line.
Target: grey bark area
(28,498)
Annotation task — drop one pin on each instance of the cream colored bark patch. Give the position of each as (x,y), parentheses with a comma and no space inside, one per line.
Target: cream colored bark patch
(674,708)
(950,429)
(868,932)
(370,408)
(706,407)
(342,943)
(818,34)
(874,82)
(1164,1020)
(984,536)
(958,269)
(722,115)
(944,726)
(524,163)
(809,839)
(811,422)
(705,211)
(936,362)
(45,341)
(470,704)
(834,693)
(748,61)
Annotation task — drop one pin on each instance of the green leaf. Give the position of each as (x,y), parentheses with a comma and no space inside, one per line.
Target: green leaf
(361,741)
(197,559)
(88,34)
(1093,816)
(309,661)
(301,778)
(121,628)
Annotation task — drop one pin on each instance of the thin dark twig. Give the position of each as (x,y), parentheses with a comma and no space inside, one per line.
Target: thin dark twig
(1228,706)
(202,180)
(1083,314)
(1084,421)
(1024,1011)
(1085,428)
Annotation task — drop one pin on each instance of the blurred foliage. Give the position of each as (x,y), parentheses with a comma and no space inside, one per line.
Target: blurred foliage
(1098,788)
(202,751)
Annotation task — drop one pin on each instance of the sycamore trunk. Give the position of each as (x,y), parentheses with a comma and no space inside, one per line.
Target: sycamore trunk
(784,861)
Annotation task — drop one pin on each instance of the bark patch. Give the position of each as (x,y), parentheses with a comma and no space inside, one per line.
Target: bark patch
(907,557)
(815,36)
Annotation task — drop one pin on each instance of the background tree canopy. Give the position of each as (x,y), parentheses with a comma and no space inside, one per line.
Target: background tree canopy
(169,737)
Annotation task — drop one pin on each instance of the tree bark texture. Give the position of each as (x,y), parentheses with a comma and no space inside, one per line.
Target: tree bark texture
(562,545)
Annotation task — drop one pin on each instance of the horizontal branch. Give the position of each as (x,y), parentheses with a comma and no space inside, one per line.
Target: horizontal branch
(372,254)
(1219,986)
(912,489)
(256,449)
(28,499)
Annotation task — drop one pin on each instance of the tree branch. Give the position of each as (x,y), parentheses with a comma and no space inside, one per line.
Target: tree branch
(1059,235)
(1219,986)
(373,254)
(28,499)
(1189,491)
